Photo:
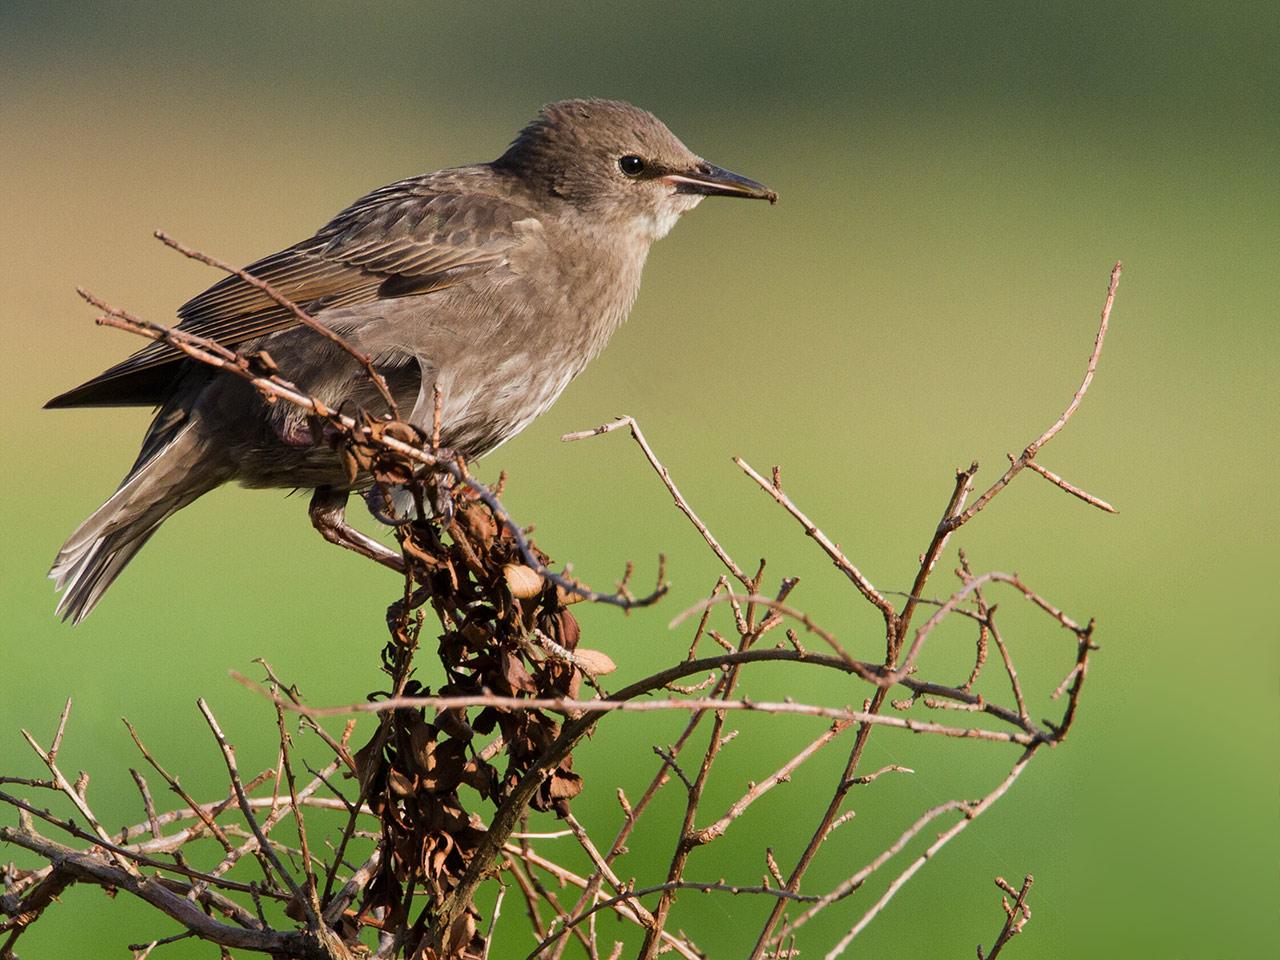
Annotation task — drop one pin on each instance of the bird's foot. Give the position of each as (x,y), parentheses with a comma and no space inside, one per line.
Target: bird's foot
(390,504)
(396,504)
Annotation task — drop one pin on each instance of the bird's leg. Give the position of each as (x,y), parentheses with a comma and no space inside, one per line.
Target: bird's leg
(328,515)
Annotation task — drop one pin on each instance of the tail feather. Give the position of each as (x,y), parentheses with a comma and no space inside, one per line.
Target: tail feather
(87,577)
(100,548)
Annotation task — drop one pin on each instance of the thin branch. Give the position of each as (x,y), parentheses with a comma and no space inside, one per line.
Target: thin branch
(669,886)
(1008,665)
(229,757)
(963,486)
(75,796)
(909,661)
(1071,489)
(621,906)
(683,505)
(757,790)
(663,680)
(943,839)
(603,868)
(207,816)
(1055,428)
(1016,915)
(309,875)
(811,529)
(493,920)
(855,882)
(566,705)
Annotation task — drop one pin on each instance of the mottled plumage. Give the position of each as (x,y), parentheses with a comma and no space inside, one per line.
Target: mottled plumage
(496,282)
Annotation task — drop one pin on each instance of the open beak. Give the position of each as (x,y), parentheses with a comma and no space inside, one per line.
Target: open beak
(709,180)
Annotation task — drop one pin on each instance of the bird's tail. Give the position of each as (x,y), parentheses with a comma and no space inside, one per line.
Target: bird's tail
(167,477)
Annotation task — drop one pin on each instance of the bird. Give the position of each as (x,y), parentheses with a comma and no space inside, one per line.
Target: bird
(493,284)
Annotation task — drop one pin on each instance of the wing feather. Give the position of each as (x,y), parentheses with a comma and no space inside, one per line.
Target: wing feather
(406,239)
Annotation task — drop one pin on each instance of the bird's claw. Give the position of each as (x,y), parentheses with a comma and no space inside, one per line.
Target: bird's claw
(382,505)
(394,505)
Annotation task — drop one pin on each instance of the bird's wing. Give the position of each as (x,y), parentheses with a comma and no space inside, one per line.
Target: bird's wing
(401,240)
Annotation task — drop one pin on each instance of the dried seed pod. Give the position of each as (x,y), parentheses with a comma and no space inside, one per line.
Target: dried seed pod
(400,784)
(422,743)
(594,662)
(567,597)
(525,583)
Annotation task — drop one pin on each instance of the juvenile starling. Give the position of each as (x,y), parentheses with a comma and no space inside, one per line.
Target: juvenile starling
(496,282)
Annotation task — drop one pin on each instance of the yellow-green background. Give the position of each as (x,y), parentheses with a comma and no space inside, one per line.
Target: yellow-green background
(956,182)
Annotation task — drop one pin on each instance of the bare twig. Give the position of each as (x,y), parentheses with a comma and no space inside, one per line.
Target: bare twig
(1016,916)
(313,899)
(944,838)
(1071,488)
(617,704)
(669,886)
(757,790)
(683,505)
(842,563)
(229,757)
(76,797)
(1034,447)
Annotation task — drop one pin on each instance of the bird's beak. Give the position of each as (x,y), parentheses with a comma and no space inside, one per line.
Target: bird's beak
(708,180)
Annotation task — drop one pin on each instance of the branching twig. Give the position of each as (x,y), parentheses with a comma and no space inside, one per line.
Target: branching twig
(1016,916)
(842,563)
(971,814)
(1034,447)
(681,503)
(511,684)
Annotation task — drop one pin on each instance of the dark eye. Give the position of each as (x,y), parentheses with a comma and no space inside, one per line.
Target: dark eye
(631,165)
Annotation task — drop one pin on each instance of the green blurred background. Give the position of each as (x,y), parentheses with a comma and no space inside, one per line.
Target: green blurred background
(956,182)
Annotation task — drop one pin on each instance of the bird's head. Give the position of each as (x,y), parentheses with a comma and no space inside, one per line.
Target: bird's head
(618,165)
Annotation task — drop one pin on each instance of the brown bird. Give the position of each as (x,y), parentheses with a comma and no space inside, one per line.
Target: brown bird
(496,283)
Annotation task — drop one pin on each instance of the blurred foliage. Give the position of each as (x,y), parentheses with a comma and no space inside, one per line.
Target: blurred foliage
(956,182)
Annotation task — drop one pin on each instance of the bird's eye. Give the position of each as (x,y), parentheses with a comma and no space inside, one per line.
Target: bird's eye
(631,165)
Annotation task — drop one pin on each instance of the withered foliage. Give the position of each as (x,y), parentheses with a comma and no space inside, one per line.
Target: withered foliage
(390,840)
(495,611)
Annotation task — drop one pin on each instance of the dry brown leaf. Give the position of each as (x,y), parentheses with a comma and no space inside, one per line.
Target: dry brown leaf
(525,583)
